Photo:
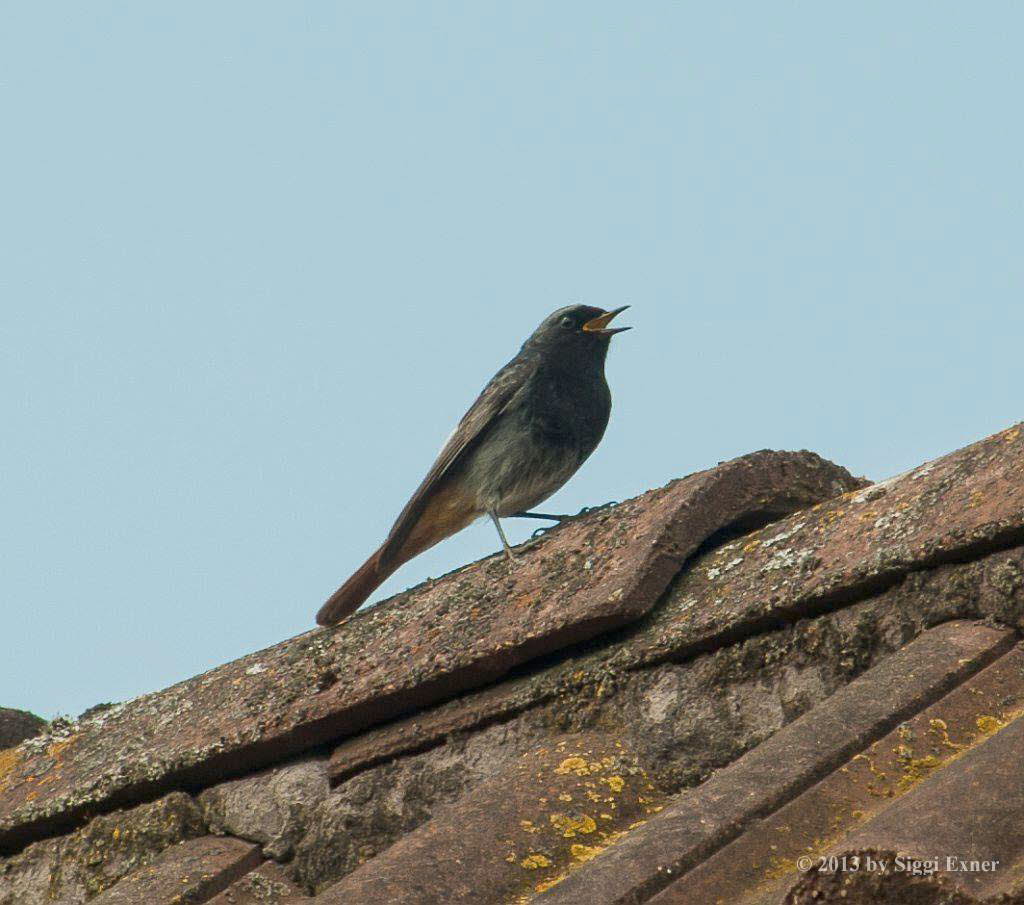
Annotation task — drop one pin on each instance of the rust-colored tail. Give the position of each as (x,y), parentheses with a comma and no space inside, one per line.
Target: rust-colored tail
(444,512)
(353,593)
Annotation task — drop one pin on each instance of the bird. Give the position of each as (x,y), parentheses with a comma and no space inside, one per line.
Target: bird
(530,429)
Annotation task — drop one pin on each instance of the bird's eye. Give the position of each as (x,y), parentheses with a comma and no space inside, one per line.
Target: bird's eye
(568,322)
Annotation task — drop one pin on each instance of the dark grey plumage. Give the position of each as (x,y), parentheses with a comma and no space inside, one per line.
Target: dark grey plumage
(534,424)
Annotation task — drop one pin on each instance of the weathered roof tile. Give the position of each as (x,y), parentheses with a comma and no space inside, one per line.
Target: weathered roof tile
(77,866)
(950,510)
(981,851)
(854,807)
(557,807)
(268,884)
(458,632)
(189,872)
(703,819)
(840,550)
(684,670)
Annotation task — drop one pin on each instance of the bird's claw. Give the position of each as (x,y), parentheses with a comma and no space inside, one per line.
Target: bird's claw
(586,510)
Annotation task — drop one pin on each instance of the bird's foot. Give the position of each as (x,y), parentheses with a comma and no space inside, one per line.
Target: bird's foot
(558,519)
(543,515)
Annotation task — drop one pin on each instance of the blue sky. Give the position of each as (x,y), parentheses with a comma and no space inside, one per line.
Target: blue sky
(256,260)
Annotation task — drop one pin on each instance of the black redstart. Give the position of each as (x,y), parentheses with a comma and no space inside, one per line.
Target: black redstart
(528,432)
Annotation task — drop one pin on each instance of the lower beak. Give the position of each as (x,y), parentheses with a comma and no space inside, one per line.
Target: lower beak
(600,323)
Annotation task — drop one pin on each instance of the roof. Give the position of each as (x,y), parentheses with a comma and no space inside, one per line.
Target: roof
(675,699)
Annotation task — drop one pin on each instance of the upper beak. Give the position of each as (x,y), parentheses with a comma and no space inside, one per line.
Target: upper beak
(600,323)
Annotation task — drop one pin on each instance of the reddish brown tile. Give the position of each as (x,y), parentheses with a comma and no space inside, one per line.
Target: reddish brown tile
(704,819)
(461,631)
(185,874)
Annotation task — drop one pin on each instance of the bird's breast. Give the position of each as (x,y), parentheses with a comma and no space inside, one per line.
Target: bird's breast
(569,411)
(538,442)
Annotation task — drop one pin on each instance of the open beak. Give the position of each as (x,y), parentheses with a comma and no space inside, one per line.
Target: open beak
(600,323)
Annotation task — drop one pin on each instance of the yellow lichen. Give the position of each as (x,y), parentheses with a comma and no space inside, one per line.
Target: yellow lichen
(916,769)
(8,761)
(583,853)
(575,765)
(779,867)
(534,861)
(55,749)
(571,826)
(545,885)
(615,783)
(941,729)
(989,724)
(878,774)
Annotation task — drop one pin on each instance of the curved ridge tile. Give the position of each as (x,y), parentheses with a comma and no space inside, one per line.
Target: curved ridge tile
(445,636)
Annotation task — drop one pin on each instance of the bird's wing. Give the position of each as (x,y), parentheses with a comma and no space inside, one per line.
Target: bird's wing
(488,406)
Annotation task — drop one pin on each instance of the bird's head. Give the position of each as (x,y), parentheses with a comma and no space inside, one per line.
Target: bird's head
(578,328)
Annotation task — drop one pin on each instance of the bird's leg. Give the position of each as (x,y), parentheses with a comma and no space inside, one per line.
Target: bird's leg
(501,534)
